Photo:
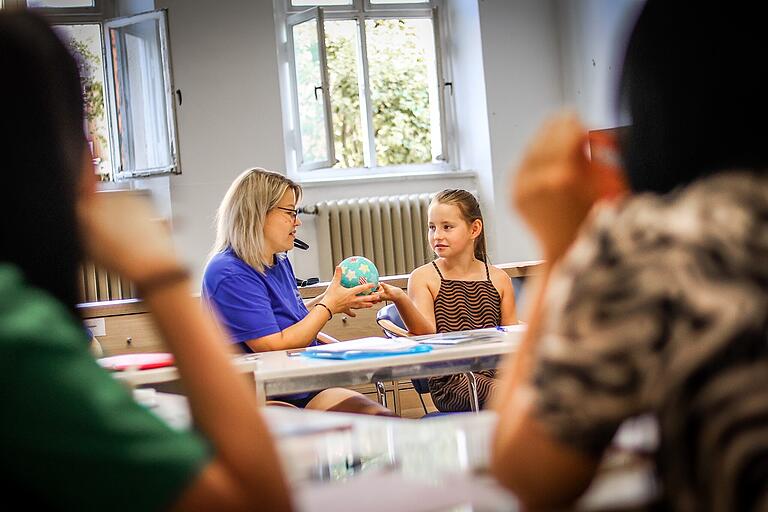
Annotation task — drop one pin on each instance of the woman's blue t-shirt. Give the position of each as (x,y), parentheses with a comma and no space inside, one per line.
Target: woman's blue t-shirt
(249,303)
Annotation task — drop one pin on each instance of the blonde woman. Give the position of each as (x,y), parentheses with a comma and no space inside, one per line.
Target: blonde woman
(250,283)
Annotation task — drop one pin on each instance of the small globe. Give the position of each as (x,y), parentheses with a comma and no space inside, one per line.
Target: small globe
(357,270)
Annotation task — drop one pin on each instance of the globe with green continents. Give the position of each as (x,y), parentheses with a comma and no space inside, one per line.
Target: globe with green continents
(357,270)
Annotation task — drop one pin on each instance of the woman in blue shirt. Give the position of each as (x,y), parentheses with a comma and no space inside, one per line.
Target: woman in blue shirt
(250,283)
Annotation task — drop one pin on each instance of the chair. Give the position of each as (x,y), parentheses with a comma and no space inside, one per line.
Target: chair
(393,326)
(518,284)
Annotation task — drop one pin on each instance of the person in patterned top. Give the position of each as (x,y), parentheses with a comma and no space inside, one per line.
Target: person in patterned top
(656,303)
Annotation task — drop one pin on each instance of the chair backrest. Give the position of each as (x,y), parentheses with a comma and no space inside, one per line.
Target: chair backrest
(390,322)
(393,326)
(518,283)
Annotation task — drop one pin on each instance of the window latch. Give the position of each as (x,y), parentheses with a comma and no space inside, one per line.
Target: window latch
(316,88)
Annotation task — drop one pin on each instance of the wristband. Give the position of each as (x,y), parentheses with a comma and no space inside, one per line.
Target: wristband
(161,280)
(330,313)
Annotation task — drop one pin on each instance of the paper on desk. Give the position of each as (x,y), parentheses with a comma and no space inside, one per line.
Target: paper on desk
(372,344)
(461,337)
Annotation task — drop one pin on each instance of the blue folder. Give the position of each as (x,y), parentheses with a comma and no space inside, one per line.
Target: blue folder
(317,352)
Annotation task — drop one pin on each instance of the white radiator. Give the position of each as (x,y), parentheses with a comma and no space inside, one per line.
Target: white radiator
(97,284)
(389,230)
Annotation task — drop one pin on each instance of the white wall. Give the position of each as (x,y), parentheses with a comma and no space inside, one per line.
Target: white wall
(594,34)
(463,48)
(224,62)
(128,7)
(521,59)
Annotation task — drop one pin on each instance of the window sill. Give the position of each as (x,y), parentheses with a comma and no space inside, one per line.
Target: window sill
(317,179)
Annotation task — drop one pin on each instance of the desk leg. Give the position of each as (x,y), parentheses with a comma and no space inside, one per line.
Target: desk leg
(396,397)
(474,401)
(381,393)
(261,391)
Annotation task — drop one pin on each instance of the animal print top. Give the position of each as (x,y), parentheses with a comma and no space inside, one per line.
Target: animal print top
(661,306)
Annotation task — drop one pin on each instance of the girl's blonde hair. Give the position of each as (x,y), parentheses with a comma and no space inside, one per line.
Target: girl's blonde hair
(243,211)
(470,212)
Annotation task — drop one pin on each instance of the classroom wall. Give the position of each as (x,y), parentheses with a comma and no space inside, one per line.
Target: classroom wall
(512,63)
(594,35)
(223,58)
(521,59)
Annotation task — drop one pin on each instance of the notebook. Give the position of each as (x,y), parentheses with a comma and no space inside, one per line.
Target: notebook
(141,361)
(366,347)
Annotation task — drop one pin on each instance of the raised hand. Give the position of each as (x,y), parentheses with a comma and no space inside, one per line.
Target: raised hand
(555,187)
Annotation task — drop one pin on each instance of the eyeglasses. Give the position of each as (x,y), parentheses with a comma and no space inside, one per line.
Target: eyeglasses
(290,211)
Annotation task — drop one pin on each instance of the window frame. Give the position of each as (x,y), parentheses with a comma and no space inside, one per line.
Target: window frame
(360,11)
(68,15)
(294,20)
(102,13)
(161,15)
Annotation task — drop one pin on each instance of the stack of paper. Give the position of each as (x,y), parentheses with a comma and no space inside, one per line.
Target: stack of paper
(366,347)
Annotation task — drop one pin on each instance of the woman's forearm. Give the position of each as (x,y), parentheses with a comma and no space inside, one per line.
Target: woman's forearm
(223,406)
(315,300)
(298,335)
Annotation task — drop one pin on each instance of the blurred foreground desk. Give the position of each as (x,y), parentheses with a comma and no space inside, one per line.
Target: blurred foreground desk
(284,372)
(344,462)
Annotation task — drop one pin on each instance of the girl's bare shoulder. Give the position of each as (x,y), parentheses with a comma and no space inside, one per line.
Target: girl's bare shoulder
(499,276)
(424,274)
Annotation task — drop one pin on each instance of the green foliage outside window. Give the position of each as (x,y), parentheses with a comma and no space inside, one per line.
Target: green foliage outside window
(399,84)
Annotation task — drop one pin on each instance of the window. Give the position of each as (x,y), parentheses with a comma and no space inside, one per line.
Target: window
(141,95)
(365,84)
(130,110)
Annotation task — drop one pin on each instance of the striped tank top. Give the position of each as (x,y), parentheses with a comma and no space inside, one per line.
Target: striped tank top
(464,305)
(460,306)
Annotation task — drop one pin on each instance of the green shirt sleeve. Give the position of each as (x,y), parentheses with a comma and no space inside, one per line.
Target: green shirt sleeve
(72,434)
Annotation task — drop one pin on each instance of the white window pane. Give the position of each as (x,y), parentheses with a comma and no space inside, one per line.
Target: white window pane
(320,3)
(84,42)
(141,97)
(341,43)
(403,81)
(54,4)
(309,88)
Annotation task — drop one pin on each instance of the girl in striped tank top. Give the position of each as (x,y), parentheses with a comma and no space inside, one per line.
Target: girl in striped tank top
(457,291)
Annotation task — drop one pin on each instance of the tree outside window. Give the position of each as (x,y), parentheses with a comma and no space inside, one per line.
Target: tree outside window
(84,42)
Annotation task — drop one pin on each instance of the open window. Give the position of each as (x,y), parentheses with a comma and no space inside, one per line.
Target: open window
(313,142)
(364,86)
(141,95)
